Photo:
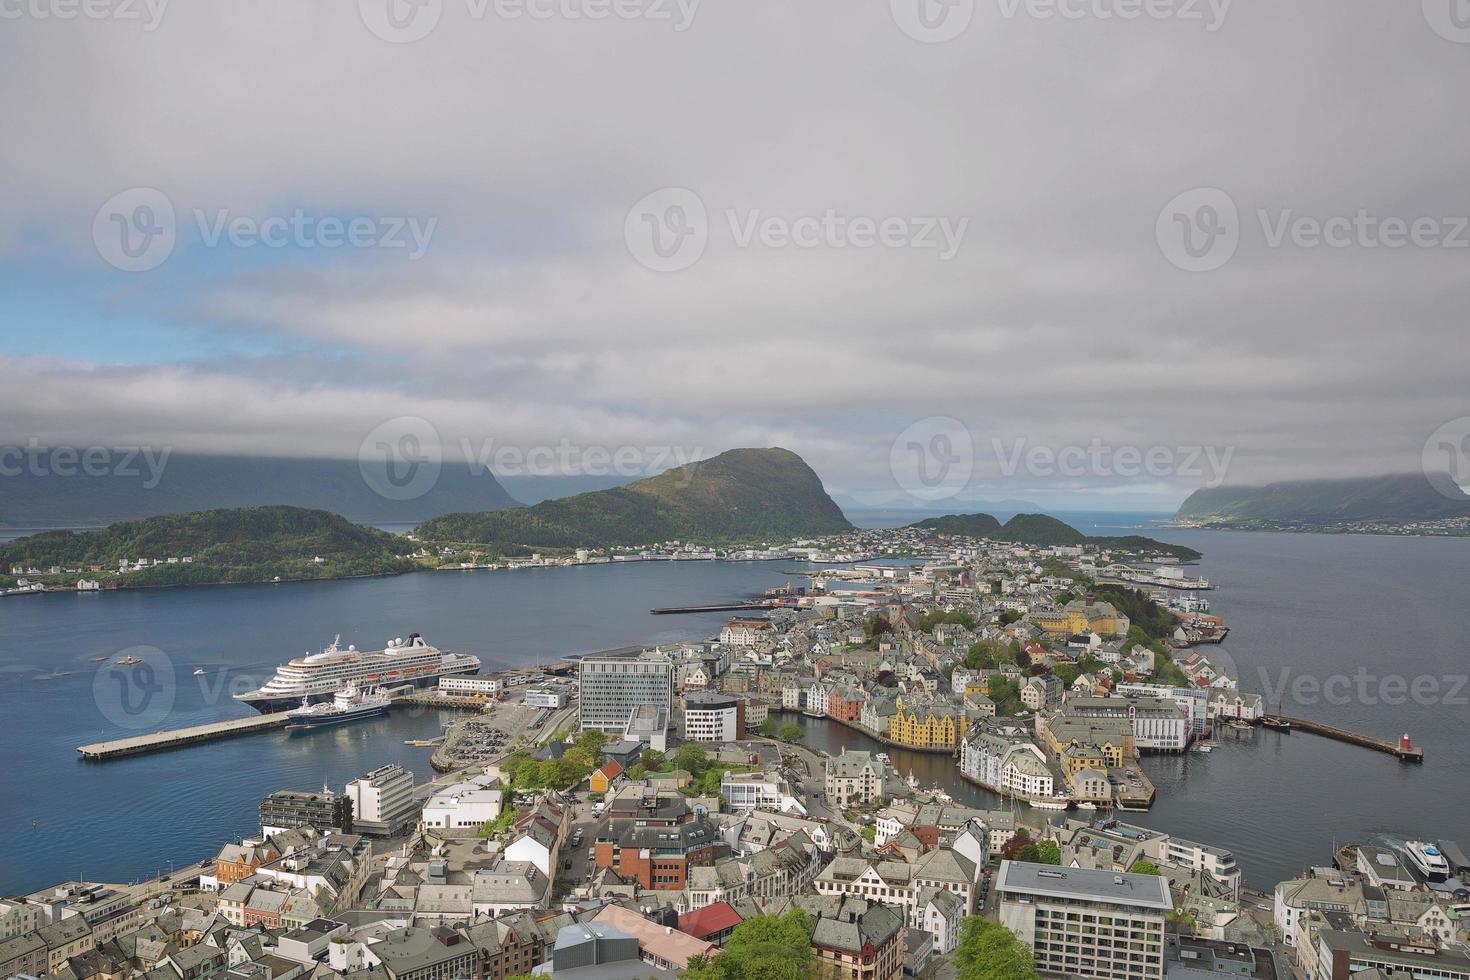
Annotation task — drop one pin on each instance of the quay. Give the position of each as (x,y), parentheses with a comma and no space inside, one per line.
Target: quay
(179,737)
(723,607)
(1403,749)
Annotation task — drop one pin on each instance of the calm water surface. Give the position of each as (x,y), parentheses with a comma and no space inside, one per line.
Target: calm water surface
(1298,605)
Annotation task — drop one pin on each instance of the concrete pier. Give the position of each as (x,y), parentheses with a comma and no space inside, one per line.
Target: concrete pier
(179,737)
(1400,749)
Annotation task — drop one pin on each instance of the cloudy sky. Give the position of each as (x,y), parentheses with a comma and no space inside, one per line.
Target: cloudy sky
(1089,253)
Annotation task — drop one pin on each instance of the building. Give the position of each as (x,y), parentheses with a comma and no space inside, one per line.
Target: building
(1158,724)
(1088,615)
(288,809)
(929,726)
(1082,922)
(854,777)
(1343,955)
(382,801)
(747,791)
(461,687)
(615,686)
(658,945)
(417,953)
(862,940)
(464,806)
(597,951)
(740,632)
(1012,766)
(713,718)
(554,696)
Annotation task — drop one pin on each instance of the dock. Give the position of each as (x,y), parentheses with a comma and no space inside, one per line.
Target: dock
(1403,749)
(180,737)
(723,607)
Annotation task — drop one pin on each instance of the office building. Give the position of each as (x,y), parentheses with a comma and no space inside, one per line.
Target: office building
(614,686)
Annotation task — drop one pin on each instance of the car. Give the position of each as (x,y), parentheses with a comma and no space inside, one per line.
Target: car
(591,853)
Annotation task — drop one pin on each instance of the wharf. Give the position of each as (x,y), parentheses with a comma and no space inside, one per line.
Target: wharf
(179,737)
(723,607)
(1404,752)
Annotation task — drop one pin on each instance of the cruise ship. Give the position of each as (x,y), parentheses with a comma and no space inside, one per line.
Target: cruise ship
(348,704)
(319,676)
(1428,860)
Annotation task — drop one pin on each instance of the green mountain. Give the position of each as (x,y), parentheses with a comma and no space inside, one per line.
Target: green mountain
(1402,497)
(1043,531)
(964,525)
(741,495)
(254,544)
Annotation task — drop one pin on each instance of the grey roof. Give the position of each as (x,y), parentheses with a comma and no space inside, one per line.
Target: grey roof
(1049,881)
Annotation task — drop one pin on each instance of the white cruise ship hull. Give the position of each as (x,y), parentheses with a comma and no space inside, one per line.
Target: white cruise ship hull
(317,678)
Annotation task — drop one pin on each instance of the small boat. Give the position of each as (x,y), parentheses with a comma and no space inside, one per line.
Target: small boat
(1049,804)
(1240,725)
(199,672)
(1087,805)
(128,661)
(349,704)
(1276,724)
(1204,747)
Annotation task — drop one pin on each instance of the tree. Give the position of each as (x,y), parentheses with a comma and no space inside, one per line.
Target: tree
(1018,840)
(768,727)
(1028,854)
(763,947)
(1048,852)
(710,785)
(592,740)
(1144,866)
(791,732)
(870,833)
(693,758)
(652,759)
(989,951)
(527,775)
(638,772)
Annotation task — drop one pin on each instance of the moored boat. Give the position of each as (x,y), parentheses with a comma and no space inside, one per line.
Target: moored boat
(349,704)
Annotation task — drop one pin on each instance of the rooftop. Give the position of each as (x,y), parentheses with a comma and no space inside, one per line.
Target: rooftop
(1082,884)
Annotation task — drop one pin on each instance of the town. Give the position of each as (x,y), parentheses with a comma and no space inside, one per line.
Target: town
(654,812)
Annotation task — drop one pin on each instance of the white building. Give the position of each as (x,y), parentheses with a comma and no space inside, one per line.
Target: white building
(1084,922)
(746,632)
(382,801)
(854,777)
(553,696)
(470,686)
(747,791)
(463,806)
(1017,767)
(614,685)
(713,718)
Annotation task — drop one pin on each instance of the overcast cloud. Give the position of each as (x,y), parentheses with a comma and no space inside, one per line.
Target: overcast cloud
(505,153)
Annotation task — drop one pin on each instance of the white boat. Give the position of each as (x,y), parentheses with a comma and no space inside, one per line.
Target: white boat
(318,676)
(199,672)
(1049,804)
(1087,805)
(349,704)
(1427,860)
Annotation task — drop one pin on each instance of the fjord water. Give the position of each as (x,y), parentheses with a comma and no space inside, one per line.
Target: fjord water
(1313,605)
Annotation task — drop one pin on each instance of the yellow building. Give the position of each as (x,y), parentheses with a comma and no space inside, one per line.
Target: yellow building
(1080,616)
(927,727)
(1086,743)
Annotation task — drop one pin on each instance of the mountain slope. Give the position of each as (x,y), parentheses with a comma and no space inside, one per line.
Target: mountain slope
(967,525)
(744,494)
(132,486)
(1401,497)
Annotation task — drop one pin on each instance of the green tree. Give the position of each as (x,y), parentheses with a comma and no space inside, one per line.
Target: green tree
(527,775)
(791,732)
(638,772)
(768,726)
(593,741)
(710,785)
(1144,867)
(652,759)
(693,758)
(1018,840)
(989,951)
(1048,852)
(1028,854)
(763,947)
(870,833)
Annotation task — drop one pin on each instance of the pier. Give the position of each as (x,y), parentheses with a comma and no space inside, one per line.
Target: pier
(723,607)
(180,737)
(1403,749)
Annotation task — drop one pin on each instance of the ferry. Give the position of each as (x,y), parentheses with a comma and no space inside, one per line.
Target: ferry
(318,676)
(348,704)
(1428,860)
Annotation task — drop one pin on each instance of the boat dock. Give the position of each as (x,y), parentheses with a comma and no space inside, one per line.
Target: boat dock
(1403,749)
(179,737)
(723,607)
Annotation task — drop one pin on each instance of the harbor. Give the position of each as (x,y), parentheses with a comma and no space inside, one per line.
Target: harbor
(180,737)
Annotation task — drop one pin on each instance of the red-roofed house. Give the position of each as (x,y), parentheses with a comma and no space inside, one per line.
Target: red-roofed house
(712,923)
(602,780)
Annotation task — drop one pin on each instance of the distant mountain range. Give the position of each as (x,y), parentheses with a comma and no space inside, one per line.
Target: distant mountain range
(1404,497)
(131,486)
(740,495)
(1043,531)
